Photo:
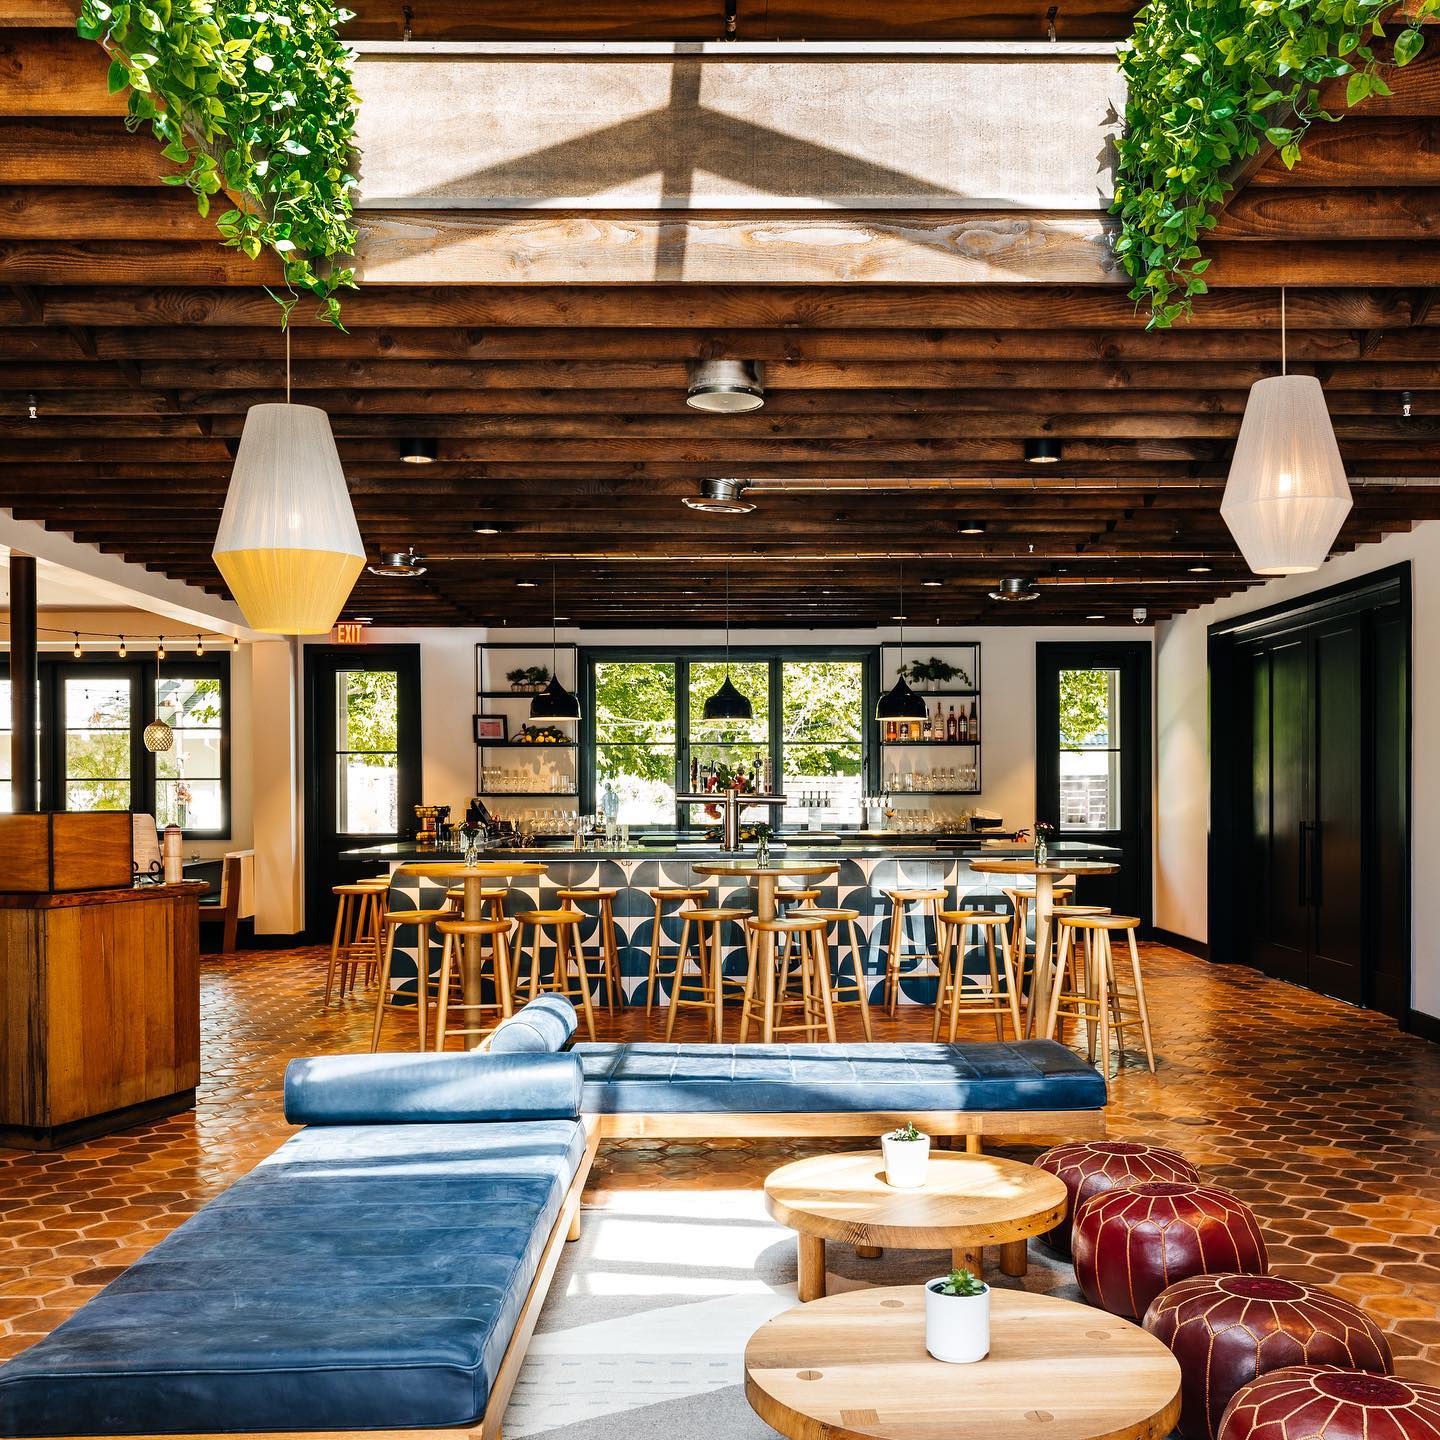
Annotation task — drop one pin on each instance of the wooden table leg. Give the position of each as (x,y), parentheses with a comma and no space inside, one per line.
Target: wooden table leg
(971,1259)
(1014,1258)
(810,1255)
(869,1252)
(470,966)
(1040,980)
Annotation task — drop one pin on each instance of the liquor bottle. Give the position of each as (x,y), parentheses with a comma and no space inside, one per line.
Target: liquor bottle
(974,724)
(937,729)
(928,732)
(952,726)
(962,726)
(694,773)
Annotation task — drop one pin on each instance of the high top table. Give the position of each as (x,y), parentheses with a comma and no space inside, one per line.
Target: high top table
(474,878)
(1045,877)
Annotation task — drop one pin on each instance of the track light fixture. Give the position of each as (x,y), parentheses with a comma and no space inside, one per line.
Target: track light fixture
(1015,589)
(972,527)
(399,564)
(1044,451)
(419,451)
(720,497)
(725,387)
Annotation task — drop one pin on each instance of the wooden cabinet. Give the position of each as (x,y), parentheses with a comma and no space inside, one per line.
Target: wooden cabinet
(99,1011)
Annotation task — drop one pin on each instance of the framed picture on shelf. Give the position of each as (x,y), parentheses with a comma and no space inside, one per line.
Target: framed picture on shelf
(491,730)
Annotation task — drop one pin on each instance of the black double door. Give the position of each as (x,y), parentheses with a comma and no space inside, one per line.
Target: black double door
(1323,850)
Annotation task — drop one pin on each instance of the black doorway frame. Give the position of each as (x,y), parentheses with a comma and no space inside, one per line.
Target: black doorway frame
(1230,724)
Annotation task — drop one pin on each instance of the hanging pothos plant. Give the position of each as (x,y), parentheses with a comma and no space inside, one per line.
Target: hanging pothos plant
(251,100)
(1209,81)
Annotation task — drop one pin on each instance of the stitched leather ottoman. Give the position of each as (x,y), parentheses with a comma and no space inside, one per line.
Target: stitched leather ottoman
(1131,1244)
(1089,1167)
(1225,1330)
(1308,1402)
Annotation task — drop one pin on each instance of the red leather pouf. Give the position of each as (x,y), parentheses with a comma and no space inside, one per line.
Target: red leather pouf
(1089,1166)
(1131,1244)
(1309,1402)
(1227,1329)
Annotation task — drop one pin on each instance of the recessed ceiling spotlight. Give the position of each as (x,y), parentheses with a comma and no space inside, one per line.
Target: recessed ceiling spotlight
(486,527)
(1094,617)
(417,451)
(1015,588)
(972,527)
(1200,569)
(526,584)
(932,584)
(720,497)
(899,617)
(399,564)
(1043,452)
(725,387)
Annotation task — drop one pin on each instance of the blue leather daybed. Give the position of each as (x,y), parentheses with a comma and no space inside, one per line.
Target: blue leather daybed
(384,1269)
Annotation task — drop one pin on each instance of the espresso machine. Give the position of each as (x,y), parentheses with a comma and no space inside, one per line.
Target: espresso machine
(434,824)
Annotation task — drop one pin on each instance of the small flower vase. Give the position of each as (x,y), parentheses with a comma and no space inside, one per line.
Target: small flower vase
(957,1327)
(762,850)
(906,1162)
(472,851)
(1042,852)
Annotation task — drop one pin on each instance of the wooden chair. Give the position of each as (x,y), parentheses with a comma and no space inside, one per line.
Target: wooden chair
(607,953)
(385,998)
(355,941)
(567,974)
(663,896)
(455,933)
(817,1015)
(895,950)
(855,990)
(702,987)
(225,910)
(959,993)
(1099,1002)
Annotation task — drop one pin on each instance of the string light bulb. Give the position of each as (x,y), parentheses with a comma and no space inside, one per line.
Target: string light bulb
(199,645)
(235,644)
(160,649)
(77,652)
(122,652)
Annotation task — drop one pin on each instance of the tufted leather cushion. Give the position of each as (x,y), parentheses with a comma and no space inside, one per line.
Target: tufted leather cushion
(1131,1244)
(1227,1329)
(1089,1166)
(1308,1402)
(771,1079)
(360,1278)
(546,1023)
(465,1085)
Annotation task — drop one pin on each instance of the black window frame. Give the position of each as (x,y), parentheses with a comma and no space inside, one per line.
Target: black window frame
(775,656)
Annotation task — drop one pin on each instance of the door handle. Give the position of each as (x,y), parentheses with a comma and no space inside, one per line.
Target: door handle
(1309,862)
(1304,867)
(1315,872)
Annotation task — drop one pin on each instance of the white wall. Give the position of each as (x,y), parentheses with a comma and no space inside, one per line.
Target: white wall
(1182,764)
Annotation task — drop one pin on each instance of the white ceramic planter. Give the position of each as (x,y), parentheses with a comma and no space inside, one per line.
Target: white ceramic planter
(957,1327)
(905,1162)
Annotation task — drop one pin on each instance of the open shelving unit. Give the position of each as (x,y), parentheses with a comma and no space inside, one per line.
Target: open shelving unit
(964,655)
(493,659)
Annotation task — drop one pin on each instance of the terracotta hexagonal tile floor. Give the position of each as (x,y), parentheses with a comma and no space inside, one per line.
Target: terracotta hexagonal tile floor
(1320,1116)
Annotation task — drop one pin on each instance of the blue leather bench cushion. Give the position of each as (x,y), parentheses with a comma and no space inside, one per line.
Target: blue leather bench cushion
(461,1085)
(770,1079)
(546,1023)
(360,1278)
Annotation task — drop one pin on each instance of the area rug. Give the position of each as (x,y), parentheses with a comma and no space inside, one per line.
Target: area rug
(645,1328)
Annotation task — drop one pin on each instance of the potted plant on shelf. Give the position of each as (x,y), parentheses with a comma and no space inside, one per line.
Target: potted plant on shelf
(907,1156)
(933,671)
(528,679)
(957,1318)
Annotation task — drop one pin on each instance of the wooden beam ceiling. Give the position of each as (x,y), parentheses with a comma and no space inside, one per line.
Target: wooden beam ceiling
(894,410)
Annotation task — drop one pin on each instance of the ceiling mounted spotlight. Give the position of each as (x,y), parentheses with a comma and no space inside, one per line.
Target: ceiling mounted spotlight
(486,527)
(1043,452)
(1094,617)
(725,387)
(526,584)
(1200,569)
(971,527)
(419,451)
(1015,588)
(399,564)
(720,497)
(933,583)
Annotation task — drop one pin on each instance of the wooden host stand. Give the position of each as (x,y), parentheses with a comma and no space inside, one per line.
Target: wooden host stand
(99,983)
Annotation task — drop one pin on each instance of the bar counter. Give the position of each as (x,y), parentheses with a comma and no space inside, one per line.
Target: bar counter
(868,867)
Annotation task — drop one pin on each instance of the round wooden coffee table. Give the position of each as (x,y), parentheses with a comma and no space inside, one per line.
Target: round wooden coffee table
(966,1203)
(855,1367)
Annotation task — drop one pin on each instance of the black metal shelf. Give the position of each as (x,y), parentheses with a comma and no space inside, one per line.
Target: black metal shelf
(528,794)
(930,744)
(525,745)
(895,794)
(508,694)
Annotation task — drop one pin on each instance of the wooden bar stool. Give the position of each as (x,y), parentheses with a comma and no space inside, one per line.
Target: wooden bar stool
(895,953)
(608,952)
(567,974)
(1070,974)
(663,896)
(1020,897)
(703,986)
(355,942)
(787,897)
(385,999)
(1099,1002)
(492,900)
(853,991)
(817,1016)
(961,993)
(452,953)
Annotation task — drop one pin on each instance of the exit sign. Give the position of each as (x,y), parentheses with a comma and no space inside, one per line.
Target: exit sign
(348,632)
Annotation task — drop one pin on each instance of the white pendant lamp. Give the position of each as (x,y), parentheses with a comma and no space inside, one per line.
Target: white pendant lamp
(1287,495)
(288,545)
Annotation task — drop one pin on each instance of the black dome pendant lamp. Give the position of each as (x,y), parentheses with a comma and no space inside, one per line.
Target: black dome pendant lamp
(727,703)
(554,702)
(900,702)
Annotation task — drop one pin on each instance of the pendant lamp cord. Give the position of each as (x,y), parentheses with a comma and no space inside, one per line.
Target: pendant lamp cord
(902,613)
(554,624)
(1282,330)
(287,364)
(727,621)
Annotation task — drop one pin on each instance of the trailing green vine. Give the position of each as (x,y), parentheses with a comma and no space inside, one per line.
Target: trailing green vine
(1209,81)
(254,100)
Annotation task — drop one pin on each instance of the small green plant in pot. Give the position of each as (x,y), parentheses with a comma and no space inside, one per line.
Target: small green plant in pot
(957,1317)
(907,1157)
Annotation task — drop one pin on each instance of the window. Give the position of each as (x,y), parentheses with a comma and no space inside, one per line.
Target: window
(635,740)
(645,729)
(98,741)
(189,777)
(1089,749)
(367,752)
